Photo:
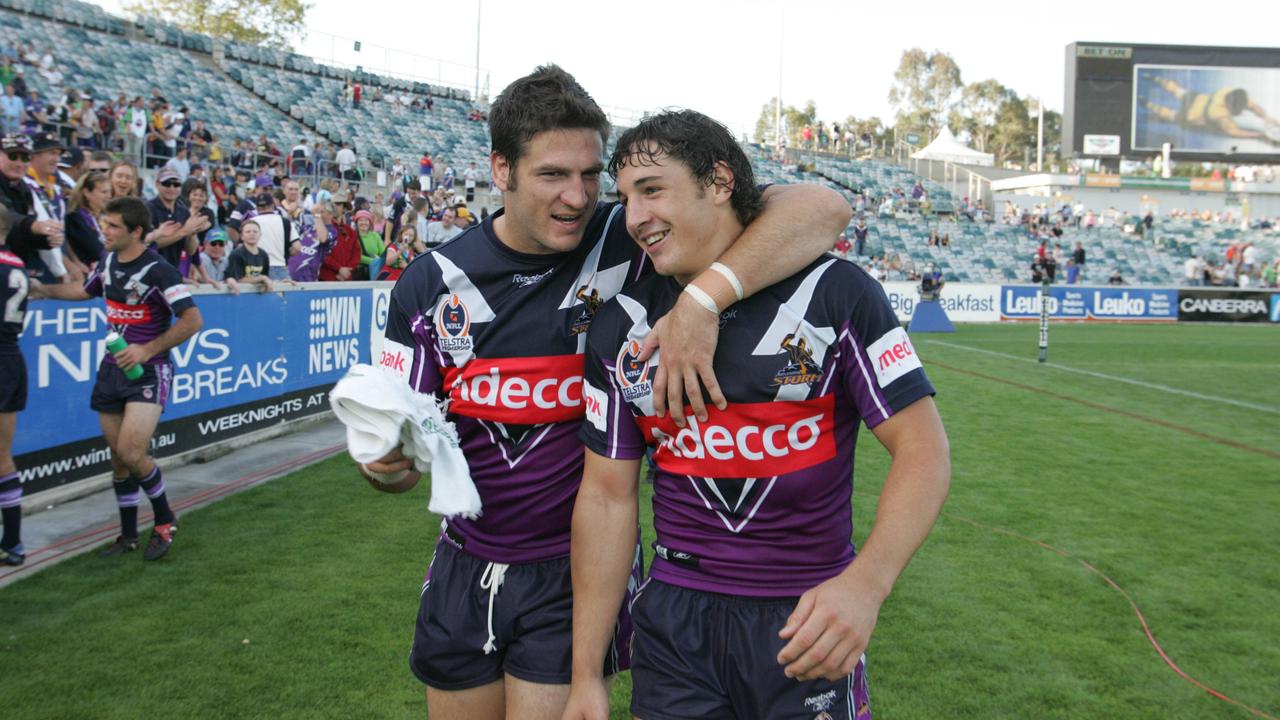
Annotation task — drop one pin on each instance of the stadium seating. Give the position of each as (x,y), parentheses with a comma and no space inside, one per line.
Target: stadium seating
(379,130)
(986,252)
(302,96)
(110,64)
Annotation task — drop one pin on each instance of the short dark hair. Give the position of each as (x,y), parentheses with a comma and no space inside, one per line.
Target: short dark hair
(546,99)
(699,143)
(413,185)
(188,186)
(133,213)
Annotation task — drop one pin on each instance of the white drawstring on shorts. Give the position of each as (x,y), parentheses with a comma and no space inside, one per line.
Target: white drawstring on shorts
(491,580)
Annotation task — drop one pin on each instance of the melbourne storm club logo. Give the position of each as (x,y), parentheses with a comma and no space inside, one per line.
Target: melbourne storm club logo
(633,374)
(453,325)
(800,368)
(590,298)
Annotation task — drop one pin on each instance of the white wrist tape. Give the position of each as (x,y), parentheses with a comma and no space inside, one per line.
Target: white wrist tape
(702,298)
(729,275)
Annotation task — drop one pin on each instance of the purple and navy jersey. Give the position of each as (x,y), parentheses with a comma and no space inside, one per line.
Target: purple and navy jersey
(756,500)
(142,298)
(14,287)
(500,334)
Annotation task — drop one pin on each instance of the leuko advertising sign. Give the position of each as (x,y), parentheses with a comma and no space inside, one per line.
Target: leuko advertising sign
(1076,302)
(963,302)
(1225,305)
(259,360)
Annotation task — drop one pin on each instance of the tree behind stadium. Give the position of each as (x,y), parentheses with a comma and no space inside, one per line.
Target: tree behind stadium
(274,23)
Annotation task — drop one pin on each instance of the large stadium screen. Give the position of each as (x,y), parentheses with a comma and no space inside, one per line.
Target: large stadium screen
(1209,103)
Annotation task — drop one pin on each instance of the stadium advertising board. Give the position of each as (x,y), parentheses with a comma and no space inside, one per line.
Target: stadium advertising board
(1077,302)
(259,360)
(1101,145)
(962,302)
(1210,305)
(1210,103)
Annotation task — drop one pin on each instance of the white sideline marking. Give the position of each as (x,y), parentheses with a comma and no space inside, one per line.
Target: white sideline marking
(1117,378)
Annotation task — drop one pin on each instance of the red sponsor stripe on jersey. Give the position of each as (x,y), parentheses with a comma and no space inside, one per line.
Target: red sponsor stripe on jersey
(119,313)
(8,258)
(747,439)
(527,391)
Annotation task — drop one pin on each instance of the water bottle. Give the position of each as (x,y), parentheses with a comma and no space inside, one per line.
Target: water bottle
(116,343)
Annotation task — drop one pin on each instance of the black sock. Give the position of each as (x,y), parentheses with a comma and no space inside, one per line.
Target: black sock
(153,484)
(127,498)
(11,510)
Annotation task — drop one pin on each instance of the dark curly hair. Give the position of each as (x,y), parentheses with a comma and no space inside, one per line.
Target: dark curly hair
(699,143)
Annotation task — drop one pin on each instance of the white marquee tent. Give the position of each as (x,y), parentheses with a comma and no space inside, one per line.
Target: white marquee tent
(945,147)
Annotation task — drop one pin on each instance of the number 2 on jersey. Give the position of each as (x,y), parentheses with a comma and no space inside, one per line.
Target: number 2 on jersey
(13,306)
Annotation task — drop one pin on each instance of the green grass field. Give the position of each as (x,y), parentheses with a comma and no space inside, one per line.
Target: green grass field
(296,599)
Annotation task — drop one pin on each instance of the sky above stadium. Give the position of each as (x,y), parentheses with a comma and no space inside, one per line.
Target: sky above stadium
(722,58)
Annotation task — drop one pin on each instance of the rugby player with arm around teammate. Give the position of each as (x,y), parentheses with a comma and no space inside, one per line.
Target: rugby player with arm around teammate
(505,306)
(143,293)
(756,606)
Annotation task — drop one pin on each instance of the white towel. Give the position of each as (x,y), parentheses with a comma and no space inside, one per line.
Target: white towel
(381,412)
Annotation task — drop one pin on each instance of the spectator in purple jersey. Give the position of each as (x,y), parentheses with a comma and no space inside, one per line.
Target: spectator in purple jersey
(143,294)
(751,506)
(519,291)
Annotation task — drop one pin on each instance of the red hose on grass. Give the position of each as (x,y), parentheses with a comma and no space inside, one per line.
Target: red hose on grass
(1146,629)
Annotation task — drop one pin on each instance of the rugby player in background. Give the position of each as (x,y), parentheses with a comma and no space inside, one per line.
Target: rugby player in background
(756,606)
(495,320)
(143,293)
(14,286)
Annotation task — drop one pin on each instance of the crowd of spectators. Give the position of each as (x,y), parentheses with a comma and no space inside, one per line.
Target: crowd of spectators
(1240,266)
(236,213)
(149,131)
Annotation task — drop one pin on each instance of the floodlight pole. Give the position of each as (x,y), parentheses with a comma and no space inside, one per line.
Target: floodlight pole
(777,105)
(476,96)
(1039,135)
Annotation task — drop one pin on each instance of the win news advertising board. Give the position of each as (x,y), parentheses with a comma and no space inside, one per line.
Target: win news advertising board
(260,360)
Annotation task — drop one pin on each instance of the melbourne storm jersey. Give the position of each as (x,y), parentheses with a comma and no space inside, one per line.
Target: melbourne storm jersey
(756,501)
(142,297)
(14,287)
(500,334)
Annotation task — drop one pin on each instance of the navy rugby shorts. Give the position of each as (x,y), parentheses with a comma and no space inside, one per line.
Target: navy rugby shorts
(13,383)
(530,636)
(700,654)
(112,390)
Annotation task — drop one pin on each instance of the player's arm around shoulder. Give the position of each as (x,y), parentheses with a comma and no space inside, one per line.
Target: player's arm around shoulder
(602,547)
(797,224)
(833,622)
